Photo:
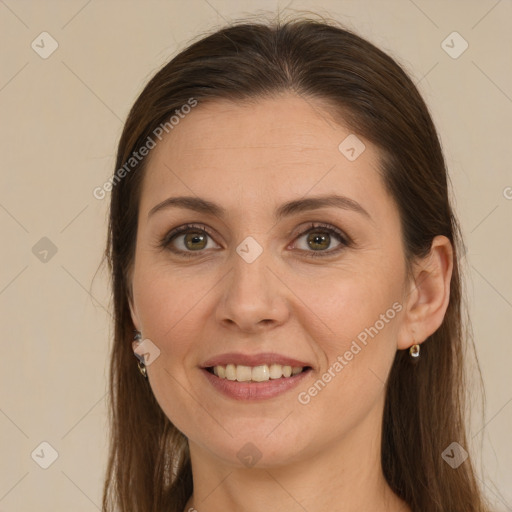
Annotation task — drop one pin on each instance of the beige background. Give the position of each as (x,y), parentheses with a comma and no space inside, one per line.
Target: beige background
(61,119)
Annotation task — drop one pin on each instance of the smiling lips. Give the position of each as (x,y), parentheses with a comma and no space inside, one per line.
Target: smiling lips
(243,376)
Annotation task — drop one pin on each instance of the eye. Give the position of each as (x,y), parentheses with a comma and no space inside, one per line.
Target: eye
(187,239)
(318,238)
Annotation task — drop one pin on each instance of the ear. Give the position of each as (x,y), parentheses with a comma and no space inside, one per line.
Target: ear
(427,295)
(133,310)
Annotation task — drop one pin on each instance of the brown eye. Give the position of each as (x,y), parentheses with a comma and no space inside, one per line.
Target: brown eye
(319,238)
(318,241)
(188,239)
(195,241)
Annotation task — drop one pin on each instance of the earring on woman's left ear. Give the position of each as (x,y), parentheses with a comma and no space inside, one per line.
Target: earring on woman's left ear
(414,351)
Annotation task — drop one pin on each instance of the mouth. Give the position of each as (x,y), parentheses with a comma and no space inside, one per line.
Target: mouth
(254,383)
(260,373)
(254,376)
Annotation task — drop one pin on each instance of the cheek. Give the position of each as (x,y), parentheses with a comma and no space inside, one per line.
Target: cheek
(357,340)
(351,385)
(168,302)
(346,306)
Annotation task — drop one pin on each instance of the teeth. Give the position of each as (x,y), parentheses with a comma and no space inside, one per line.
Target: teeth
(243,373)
(220,371)
(276,371)
(231,372)
(261,373)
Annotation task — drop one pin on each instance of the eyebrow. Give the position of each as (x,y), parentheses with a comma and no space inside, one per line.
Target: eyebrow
(287,209)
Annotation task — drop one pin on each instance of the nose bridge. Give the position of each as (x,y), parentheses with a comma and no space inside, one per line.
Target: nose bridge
(251,295)
(251,279)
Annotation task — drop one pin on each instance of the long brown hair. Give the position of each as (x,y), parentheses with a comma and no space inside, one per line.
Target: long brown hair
(149,465)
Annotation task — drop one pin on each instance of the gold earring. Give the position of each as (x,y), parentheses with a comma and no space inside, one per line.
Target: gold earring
(414,351)
(142,367)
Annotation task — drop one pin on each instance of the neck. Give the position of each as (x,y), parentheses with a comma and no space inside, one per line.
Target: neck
(346,477)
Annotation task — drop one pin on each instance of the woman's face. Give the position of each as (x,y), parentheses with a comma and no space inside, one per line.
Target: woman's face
(269,280)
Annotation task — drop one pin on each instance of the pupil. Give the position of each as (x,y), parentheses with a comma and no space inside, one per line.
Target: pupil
(318,239)
(194,238)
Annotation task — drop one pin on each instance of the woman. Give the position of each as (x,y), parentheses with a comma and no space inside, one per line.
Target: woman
(285,271)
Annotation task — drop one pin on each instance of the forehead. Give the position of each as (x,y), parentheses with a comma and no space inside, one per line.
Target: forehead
(274,148)
(285,124)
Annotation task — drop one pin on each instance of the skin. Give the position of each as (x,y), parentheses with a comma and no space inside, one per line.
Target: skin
(251,158)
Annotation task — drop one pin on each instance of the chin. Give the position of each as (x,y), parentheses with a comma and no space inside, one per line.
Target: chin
(256,449)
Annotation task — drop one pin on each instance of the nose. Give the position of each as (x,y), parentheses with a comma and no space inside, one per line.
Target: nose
(253,297)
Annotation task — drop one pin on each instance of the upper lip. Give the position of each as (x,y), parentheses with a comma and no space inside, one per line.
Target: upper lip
(267,358)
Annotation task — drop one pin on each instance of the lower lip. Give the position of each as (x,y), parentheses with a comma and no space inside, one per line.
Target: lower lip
(255,390)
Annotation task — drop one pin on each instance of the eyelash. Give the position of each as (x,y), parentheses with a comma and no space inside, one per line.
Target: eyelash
(344,240)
